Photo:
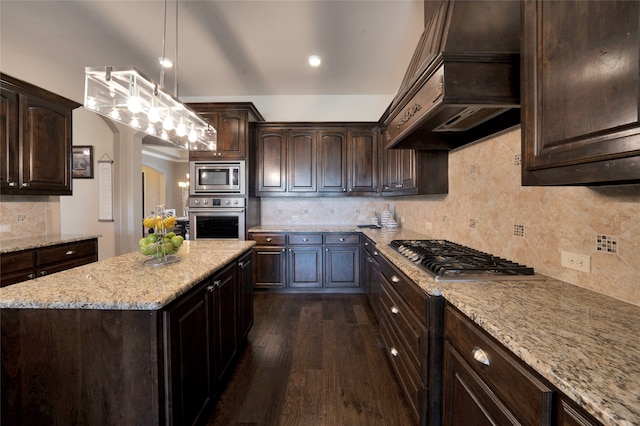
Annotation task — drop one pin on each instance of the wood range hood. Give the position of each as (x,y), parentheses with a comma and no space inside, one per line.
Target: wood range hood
(463,82)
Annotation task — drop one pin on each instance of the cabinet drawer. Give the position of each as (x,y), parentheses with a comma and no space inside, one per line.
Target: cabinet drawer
(411,332)
(334,238)
(408,377)
(17,261)
(66,252)
(412,295)
(305,238)
(520,390)
(269,239)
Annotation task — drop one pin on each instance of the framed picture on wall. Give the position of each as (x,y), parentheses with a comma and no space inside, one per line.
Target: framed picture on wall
(83,162)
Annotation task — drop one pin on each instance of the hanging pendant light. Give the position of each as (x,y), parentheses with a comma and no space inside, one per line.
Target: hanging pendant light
(131,98)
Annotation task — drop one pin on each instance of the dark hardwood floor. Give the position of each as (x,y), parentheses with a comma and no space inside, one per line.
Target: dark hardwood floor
(312,360)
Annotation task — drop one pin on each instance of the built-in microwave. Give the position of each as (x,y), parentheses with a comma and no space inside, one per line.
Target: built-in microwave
(217,177)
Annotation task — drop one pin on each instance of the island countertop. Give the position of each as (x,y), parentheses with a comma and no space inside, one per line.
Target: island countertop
(124,282)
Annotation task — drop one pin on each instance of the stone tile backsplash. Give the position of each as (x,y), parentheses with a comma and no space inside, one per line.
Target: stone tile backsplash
(22,216)
(488,209)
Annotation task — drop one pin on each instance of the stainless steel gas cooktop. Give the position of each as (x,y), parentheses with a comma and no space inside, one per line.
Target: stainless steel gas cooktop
(447,261)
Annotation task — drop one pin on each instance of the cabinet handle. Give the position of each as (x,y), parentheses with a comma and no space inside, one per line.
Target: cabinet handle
(241,264)
(395,279)
(25,185)
(12,184)
(480,356)
(395,310)
(366,244)
(43,273)
(327,250)
(268,240)
(375,253)
(210,288)
(31,276)
(370,260)
(289,250)
(305,239)
(344,189)
(70,252)
(217,283)
(341,240)
(394,352)
(283,249)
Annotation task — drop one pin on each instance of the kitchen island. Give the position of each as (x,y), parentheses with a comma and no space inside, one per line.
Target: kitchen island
(582,342)
(120,342)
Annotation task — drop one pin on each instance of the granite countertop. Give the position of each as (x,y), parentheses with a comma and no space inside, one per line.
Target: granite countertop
(583,342)
(9,245)
(124,282)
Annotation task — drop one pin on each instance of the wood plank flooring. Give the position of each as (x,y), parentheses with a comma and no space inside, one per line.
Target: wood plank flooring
(312,360)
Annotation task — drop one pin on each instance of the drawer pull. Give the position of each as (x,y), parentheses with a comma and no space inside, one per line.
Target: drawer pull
(394,352)
(217,283)
(12,184)
(480,356)
(70,252)
(43,273)
(341,239)
(31,276)
(375,253)
(241,264)
(395,310)
(305,239)
(395,279)
(268,240)
(210,288)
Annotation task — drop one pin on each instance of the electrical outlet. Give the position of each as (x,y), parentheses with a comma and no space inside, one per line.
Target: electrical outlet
(428,226)
(5,227)
(362,218)
(295,217)
(579,262)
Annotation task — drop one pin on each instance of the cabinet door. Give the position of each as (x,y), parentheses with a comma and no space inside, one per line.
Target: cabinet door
(272,160)
(245,296)
(341,266)
(580,101)
(46,141)
(362,155)
(305,267)
(9,138)
(467,401)
(269,267)
(189,356)
(225,322)
(301,155)
(231,127)
(332,161)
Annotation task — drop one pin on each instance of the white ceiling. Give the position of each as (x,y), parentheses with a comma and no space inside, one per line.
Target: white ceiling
(228,48)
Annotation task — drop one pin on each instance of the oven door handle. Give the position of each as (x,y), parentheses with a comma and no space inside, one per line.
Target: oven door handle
(216,210)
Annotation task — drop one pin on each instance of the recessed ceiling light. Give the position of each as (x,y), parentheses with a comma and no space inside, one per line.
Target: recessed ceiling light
(165,62)
(315,60)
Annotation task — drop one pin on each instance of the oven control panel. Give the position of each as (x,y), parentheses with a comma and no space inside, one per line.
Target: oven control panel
(199,202)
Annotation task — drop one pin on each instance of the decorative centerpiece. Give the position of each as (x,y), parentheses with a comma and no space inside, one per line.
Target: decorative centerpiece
(162,243)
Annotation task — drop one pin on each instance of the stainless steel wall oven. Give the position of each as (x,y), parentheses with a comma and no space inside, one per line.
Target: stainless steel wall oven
(217,218)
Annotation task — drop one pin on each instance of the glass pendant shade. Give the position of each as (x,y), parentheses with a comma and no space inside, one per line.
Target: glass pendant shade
(127,96)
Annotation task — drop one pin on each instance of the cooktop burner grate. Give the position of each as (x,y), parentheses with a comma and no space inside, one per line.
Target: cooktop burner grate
(448,261)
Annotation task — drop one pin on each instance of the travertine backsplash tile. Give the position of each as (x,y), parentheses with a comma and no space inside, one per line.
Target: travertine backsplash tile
(22,216)
(485,190)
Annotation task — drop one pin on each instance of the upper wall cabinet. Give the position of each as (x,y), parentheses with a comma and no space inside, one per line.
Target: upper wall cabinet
(306,159)
(580,92)
(232,122)
(35,138)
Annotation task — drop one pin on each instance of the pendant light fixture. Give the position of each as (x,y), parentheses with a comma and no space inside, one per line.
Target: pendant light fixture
(131,98)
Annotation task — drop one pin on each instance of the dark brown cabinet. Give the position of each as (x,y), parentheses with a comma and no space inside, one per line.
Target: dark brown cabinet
(342,260)
(484,382)
(245,295)
(270,260)
(35,139)
(410,324)
(305,261)
(233,123)
(225,320)
(300,159)
(28,264)
(190,360)
(370,273)
(580,107)
(411,172)
(301,261)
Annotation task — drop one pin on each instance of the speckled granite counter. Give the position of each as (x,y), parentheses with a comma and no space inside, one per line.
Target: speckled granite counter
(16,244)
(584,343)
(124,282)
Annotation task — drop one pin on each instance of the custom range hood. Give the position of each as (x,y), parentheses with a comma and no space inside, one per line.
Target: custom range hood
(463,83)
